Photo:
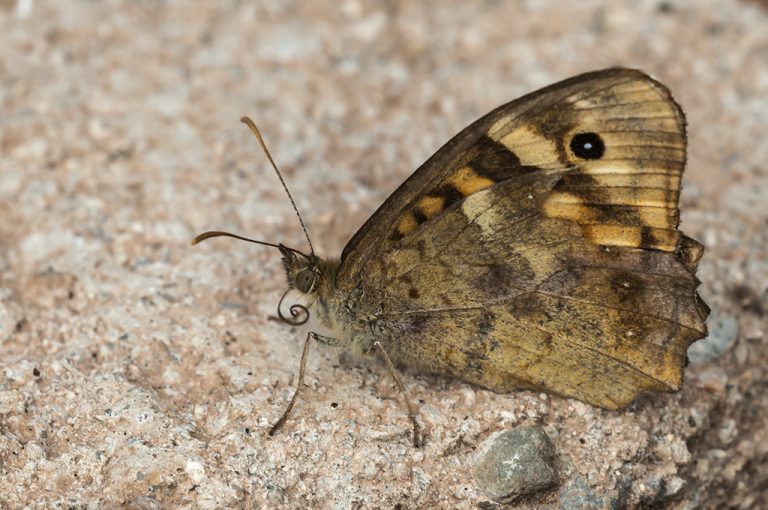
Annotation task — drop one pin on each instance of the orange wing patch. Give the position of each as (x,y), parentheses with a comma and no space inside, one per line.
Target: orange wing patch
(463,182)
(431,206)
(467,181)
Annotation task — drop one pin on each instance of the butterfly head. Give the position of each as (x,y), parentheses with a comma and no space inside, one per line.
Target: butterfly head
(311,279)
(305,272)
(301,270)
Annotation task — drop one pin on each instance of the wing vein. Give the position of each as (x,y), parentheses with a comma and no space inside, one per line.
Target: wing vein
(503,299)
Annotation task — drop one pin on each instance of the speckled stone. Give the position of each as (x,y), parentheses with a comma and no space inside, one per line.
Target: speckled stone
(515,463)
(577,493)
(723,332)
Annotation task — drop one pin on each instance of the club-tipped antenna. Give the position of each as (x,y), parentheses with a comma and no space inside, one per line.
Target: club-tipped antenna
(252,125)
(218,233)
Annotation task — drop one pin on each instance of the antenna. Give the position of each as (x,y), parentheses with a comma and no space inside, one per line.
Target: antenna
(218,233)
(248,122)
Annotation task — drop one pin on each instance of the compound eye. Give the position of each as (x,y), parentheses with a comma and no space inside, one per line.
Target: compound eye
(305,280)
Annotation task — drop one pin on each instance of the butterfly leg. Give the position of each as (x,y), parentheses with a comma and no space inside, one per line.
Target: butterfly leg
(418,440)
(302,368)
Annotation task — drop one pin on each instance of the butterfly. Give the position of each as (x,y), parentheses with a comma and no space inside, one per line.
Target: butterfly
(538,249)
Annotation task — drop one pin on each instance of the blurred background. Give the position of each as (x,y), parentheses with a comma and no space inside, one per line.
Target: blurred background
(120,140)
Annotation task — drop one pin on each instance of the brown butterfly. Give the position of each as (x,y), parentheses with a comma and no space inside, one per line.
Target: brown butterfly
(537,249)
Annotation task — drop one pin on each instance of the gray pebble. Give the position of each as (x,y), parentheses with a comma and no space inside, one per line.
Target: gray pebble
(515,463)
(723,331)
(576,493)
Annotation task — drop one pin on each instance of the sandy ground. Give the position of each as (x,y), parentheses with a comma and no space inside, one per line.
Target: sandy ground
(138,372)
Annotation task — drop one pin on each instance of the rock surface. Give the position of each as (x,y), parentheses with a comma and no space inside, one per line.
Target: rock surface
(137,371)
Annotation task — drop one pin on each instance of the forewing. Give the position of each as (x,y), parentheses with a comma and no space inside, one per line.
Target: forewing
(639,120)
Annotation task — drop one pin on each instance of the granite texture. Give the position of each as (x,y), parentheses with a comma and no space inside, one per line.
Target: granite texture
(138,372)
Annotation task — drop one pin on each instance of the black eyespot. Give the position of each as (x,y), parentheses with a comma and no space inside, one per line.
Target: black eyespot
(305,279)
(588,146)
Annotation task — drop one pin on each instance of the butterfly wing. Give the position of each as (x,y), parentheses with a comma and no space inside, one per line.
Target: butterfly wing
(539,247)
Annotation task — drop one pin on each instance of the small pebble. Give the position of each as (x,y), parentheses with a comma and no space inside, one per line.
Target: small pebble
(515,463)
(723,331)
